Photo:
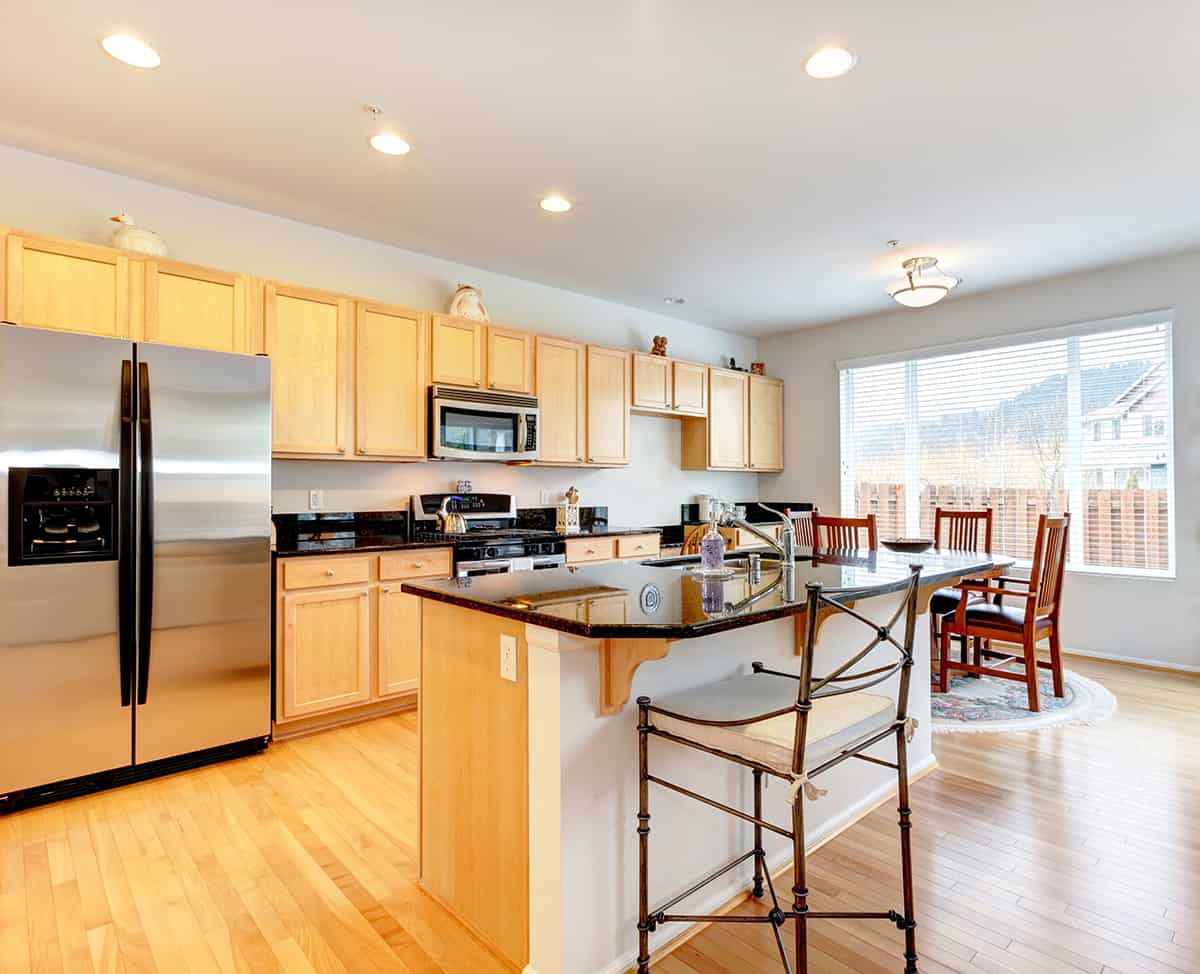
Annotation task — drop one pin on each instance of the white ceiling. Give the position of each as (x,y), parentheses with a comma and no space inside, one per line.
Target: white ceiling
(1013,140)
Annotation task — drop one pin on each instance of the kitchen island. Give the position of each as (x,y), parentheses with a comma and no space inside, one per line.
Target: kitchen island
(529,748)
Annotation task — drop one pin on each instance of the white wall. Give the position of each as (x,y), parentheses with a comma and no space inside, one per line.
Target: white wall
(64,199)
(1137,618)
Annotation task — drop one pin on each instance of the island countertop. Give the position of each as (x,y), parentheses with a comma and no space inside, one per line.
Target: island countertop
(662,599)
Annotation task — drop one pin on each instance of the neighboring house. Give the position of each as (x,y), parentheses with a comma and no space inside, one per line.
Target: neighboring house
(1125,444)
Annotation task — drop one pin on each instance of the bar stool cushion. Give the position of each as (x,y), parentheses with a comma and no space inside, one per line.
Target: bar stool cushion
(833,722)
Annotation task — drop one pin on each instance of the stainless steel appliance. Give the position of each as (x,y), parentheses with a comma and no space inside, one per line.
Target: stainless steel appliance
(492,543)
(471,424)
(135,584)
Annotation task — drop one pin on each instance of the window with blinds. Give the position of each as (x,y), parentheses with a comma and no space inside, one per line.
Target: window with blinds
(1078,420)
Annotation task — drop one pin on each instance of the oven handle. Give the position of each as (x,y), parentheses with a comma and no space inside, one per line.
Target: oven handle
(464,567)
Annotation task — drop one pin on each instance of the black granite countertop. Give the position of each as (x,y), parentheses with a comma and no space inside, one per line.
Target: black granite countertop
(342,546)
(667,601)
(606,531)
(342,532)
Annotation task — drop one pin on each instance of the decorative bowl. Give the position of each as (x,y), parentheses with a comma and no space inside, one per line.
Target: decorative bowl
(909,545)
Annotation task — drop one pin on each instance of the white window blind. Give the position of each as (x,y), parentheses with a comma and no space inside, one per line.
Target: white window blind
(1077,422)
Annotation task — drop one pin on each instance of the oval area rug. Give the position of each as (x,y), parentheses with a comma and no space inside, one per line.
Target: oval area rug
(990,705)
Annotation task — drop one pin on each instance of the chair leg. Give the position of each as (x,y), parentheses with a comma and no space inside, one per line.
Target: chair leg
(643,831)
(978,650)
(1056,667)
(910,923)
(800,884)
(934,643)
(944,676)
(758,833)
(1031,676)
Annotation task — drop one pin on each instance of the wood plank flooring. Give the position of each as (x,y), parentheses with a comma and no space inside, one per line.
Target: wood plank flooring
(1055,853)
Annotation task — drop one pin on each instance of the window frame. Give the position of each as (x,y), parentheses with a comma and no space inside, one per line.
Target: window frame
(1164,317)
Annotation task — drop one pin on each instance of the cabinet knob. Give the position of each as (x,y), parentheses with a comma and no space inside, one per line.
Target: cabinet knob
(491,385)
(387,590)
(591,551)
(362,594)
(329,572)
(418,564)
(341,449)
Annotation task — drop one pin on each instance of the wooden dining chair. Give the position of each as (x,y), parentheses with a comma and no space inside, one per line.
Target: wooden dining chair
(1037,618)
(956,531)
(843,532)
(802,525)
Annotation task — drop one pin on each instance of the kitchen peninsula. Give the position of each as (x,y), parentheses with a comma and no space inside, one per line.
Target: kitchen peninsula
(528,743)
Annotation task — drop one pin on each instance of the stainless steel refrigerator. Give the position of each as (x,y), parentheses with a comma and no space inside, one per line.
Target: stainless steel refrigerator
(135,589)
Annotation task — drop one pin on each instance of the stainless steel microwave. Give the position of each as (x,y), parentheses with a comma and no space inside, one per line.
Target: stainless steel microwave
(471,424)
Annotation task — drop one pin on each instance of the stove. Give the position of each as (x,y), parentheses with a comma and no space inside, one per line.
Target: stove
(492,543)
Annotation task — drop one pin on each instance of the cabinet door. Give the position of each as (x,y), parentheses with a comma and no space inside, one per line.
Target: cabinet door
(561,384)
(308,339)
(510,360)
(610,610)
(690,389)
(399,641)
(651,381)
(66,286)
(390,381)
(326,650)
(457,357)
(196,307)
(728,420)
(766,423)
(608,397)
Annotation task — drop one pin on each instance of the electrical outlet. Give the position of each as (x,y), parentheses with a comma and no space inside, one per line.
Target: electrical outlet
(508,658)
(316,500)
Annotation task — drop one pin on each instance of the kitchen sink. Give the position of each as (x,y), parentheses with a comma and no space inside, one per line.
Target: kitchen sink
(737,560)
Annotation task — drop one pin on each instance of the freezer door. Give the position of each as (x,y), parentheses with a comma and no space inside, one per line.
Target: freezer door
(204,598)
(61,713)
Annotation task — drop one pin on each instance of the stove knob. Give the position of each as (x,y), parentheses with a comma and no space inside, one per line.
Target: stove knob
(490,553)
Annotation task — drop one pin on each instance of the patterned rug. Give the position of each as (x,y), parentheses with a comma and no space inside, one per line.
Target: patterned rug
(989,705)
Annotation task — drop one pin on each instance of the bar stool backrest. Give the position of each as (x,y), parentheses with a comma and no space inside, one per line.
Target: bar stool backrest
(847,676)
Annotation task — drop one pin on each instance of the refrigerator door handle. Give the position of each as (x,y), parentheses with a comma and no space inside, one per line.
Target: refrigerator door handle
(126,550)
(146,510)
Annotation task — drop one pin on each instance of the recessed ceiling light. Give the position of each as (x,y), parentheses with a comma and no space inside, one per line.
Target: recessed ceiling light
(131,51)
(556,204)
(830,62)
(675,300)
(389,144)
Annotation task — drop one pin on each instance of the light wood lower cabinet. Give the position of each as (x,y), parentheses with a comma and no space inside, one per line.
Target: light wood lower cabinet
(326,661)
(348,639)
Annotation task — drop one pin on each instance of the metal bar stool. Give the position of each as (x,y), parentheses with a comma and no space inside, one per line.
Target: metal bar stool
(802,726)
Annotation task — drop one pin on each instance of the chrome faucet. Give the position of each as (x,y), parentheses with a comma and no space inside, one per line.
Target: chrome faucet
(786,546)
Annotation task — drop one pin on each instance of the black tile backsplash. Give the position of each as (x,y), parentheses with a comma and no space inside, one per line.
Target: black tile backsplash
(544,518)
(755,514)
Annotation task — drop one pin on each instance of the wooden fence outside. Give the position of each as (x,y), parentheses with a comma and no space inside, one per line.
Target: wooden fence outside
(1121,528)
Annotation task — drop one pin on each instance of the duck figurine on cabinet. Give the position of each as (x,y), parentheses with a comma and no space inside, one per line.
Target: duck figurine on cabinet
(129,236)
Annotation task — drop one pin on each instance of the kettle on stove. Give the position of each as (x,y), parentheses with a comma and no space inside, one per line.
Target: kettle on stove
(450,522)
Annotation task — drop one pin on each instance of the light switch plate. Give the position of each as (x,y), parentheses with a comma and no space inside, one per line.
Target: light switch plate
(508,658)
(316,500)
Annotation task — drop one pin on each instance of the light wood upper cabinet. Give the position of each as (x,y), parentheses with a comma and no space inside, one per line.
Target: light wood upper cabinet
(608,396)
(766,423)
(309,339)
(457,351)
(561,391)
(728,419)
(690,388)
(651,381)
(197,307)
(326,660)
(510,360)
(66,286)
(390,381)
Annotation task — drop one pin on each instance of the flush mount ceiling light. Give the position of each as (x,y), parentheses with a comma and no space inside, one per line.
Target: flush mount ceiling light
(829,62)
(131,51)
(389,144)
(923,283)
(555,203)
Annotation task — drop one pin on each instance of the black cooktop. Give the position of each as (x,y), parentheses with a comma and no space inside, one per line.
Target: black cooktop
(481,535)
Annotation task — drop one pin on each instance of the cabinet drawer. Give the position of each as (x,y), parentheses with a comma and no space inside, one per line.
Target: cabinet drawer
(638,546)
(590,549)
(419,563)
(312,572)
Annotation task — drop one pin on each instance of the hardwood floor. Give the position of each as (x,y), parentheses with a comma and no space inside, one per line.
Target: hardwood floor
(1065,851)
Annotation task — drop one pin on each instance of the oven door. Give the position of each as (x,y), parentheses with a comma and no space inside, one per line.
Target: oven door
(476,431)
(469,569)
